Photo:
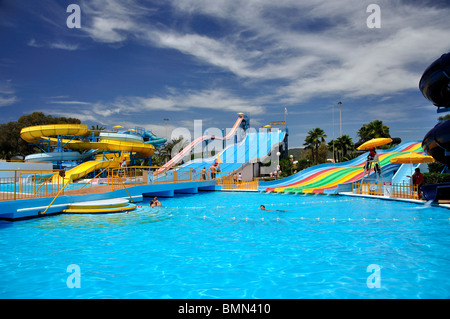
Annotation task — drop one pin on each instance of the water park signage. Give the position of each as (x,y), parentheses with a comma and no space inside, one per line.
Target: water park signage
(278,123)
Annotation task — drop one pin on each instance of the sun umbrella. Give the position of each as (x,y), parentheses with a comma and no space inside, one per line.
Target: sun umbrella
(412,158)
(374,143)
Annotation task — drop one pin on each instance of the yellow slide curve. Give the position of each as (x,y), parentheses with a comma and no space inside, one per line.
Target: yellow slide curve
(42,133)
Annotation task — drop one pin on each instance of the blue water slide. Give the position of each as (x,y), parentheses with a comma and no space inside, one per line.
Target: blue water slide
(153,139)
(248,150)
(318,168)
(404,173)
(60,156)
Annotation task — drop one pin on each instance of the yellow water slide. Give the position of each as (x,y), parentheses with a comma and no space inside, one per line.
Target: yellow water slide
(85,168)
(43,133)
(40,133)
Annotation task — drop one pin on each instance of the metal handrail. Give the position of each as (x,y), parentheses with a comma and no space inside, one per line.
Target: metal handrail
(59,192)
(51,177)
(120,179)
(94,177)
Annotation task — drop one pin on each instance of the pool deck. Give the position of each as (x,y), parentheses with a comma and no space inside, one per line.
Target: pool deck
(31,208)
(406,200)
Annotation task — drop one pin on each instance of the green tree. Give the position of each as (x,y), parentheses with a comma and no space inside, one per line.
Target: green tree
(374,129)
(334,147)
(39,118)
(10,142)
(314,139)
(286,166)
(302,164)
(446,117)
(345,144)
(98,127)
(309,149)
(164,153)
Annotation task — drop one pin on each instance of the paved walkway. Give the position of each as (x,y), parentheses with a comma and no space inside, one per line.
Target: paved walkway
(416,201)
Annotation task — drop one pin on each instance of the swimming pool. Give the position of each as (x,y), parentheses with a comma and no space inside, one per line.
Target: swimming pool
(221,245)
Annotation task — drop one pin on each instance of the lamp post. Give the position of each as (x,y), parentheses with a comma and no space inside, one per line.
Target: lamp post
(340,117)
(334,160)
(278,161)
(165,120)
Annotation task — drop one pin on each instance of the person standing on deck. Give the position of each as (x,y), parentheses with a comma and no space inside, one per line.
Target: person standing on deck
(418,180)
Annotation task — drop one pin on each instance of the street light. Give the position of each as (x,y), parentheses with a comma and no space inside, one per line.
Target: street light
(340,116)
(334,159)
(278,161)
(165,120)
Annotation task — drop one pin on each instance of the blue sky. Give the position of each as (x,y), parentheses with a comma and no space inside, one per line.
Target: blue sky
(138,62)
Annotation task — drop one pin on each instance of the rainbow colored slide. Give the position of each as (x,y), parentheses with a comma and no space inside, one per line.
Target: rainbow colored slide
(325,178)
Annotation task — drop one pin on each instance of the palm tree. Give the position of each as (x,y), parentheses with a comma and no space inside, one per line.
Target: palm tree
(314,138)
(98,127)
(336,147)
(164,152)
(372,130)
(309,144)
(345,142)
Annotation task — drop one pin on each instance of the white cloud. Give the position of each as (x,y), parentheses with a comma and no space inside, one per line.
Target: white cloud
(126,109)
(64,46)
(33,43)
(112,21)
(82,115)
(109,30)
(344,57)
(219,100)
(7,94)
(7,100)
(312,48)
(56,45)
(70,102)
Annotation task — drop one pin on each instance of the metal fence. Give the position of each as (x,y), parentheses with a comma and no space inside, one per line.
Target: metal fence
(229,182)
(140,175)
(386,189)
(26,183)
(20,184)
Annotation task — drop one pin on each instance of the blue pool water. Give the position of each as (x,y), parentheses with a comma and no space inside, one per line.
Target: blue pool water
(220,245)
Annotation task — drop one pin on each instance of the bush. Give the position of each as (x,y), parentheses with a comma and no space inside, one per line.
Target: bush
(286,168)
(435,178)
(302,164)
(435,167)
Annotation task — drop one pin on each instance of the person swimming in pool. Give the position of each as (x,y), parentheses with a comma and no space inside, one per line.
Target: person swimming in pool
(262,207)
(156,201)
